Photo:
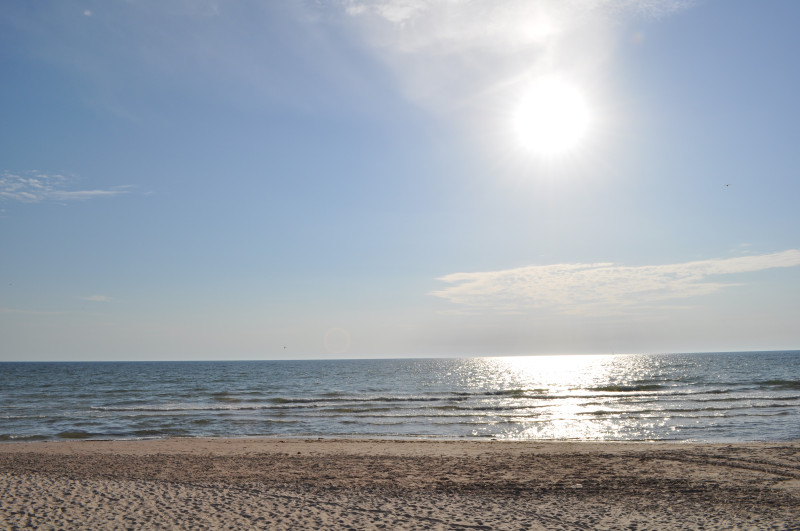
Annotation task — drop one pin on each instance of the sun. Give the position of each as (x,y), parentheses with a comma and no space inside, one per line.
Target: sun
(551,118)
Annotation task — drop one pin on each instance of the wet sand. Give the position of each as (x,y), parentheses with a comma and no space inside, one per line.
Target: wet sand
(378,484)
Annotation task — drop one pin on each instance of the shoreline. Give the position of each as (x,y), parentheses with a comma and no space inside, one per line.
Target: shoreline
(181,443)
(212,483)
(391,438)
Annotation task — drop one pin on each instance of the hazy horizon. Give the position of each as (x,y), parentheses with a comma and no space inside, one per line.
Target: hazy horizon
(145,359)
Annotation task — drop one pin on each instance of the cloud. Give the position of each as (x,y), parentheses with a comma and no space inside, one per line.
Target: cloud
(463,51)
(35,187)
(476,20)
(97,298)
(580,288)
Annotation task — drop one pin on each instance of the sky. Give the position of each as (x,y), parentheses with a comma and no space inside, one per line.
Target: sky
(244,179)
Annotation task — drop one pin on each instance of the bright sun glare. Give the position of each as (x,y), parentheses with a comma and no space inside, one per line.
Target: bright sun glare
(551,119)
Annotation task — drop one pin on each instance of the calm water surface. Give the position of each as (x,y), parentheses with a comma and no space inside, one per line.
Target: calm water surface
(687,397)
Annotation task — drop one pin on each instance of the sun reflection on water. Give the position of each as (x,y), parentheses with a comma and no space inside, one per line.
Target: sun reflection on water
(564,397)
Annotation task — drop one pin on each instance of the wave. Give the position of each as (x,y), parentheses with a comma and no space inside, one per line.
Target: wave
(475,402)
(174,408)
(75,434)
(225,397)
(21,438)
(627,388)
(686,411)
(646,392)
(322,400)
(780,384)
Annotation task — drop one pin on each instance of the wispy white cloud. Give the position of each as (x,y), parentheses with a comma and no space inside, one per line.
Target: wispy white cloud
(581,288)
(97,298)
(35,187)
(489,23)
(446,51)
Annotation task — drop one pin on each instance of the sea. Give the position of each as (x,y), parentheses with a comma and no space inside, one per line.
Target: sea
(709,397)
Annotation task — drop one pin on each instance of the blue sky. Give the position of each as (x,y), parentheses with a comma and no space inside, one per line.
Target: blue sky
(358,178)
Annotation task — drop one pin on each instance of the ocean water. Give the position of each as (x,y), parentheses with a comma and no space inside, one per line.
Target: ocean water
(680,397)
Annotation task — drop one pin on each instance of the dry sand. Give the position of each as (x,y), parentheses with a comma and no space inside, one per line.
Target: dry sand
(376,484)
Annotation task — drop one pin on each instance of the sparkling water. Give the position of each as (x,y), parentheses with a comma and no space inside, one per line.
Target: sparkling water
(686,397)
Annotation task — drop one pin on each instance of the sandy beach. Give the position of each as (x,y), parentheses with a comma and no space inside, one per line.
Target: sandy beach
(380,484)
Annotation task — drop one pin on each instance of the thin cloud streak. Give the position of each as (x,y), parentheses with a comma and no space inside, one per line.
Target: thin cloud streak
(97,298)
(35,187)
(583,288)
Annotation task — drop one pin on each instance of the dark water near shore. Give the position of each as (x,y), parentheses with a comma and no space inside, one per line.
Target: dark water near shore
(686,397)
